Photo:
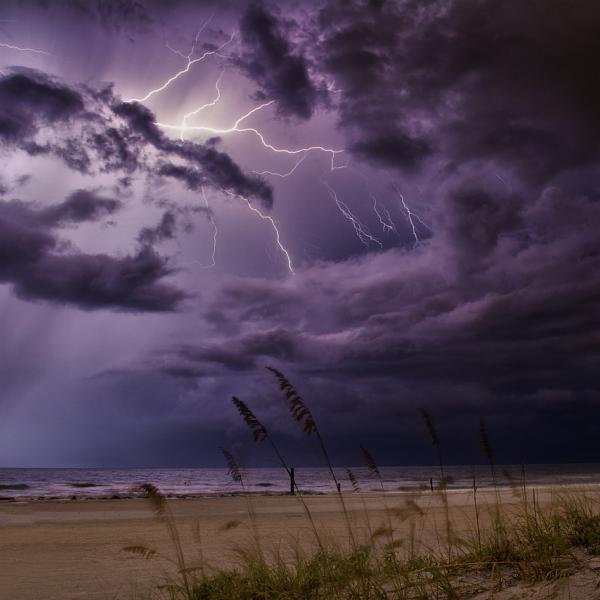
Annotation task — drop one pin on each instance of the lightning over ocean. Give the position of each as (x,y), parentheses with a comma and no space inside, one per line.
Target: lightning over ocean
(354,243)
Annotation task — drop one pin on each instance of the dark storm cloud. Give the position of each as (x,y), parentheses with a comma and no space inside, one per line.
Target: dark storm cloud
(113,150)
(506,82)
(29,99)
(192,178)
(39,266)
(21,242)
(489,107)
(165,229)
(114,14)
(92,131)
(217,167)
(396,149)
(268,58)
(245,353)
(80,206)
(99,281)
(142,122)
(494,315)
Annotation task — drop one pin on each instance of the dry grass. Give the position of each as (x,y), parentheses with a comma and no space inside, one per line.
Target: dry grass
(505,544)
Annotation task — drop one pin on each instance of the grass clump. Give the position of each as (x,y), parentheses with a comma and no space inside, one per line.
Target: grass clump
(538,546)
(325,574)
(581,523)
(511,545)
(523,540)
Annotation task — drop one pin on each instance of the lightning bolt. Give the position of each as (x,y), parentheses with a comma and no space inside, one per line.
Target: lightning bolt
(284,175)
(273,225)
(215,232)
(183,128)
(410,215)
(202,107)
(190,62)
(195,42)
(18,48)
(361,231)
(235,128)
(215,229)
(387,224)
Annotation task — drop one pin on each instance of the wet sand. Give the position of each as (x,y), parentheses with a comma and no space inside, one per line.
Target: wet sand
(65,550)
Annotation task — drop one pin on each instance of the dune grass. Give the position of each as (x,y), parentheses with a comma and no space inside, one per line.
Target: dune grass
(522,541)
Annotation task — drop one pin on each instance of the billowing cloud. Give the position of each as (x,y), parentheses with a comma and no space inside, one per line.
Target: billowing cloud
(114,15)
(29,100)
(483,114)
(496,312)
(40,266)
(216,168)
(268,58)
(92,131)
(165,229)
(466,81)
(95,281)
(80,206)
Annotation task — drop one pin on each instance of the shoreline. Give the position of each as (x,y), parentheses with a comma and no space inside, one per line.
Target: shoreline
(502,488)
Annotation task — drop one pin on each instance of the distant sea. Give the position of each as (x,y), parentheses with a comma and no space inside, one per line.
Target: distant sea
(107,483)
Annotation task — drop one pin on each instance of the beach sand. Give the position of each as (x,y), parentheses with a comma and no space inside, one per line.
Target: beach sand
(64,550)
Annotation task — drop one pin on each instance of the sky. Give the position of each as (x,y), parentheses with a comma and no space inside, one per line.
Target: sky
(397,204)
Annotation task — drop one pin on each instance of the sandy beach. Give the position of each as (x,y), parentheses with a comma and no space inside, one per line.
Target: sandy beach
(66,550)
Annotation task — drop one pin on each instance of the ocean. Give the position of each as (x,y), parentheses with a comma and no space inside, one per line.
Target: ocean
(102,483)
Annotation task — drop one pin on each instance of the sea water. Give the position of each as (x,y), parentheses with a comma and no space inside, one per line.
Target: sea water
(95,483)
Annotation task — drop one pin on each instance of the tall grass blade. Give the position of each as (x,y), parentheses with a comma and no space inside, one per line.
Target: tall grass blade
(259,433)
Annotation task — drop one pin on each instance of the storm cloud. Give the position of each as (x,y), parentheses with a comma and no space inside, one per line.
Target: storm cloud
(470,133)
(28,100)
(88,138)
(466,82)
(41,266)
(490,317)
(269,59)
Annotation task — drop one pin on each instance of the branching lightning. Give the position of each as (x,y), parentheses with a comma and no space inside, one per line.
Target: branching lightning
(190,62)
(387,224)
(202,107)
(235,128)
(284,175)
(212,221)
(215,232)
(361,231)
(273,225)
(20,49)
(184,128)
(410,215)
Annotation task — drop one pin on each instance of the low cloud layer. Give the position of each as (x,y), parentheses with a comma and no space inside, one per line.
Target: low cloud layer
(494,316)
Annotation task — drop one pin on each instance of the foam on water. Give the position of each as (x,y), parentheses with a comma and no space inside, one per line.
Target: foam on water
(66,483)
